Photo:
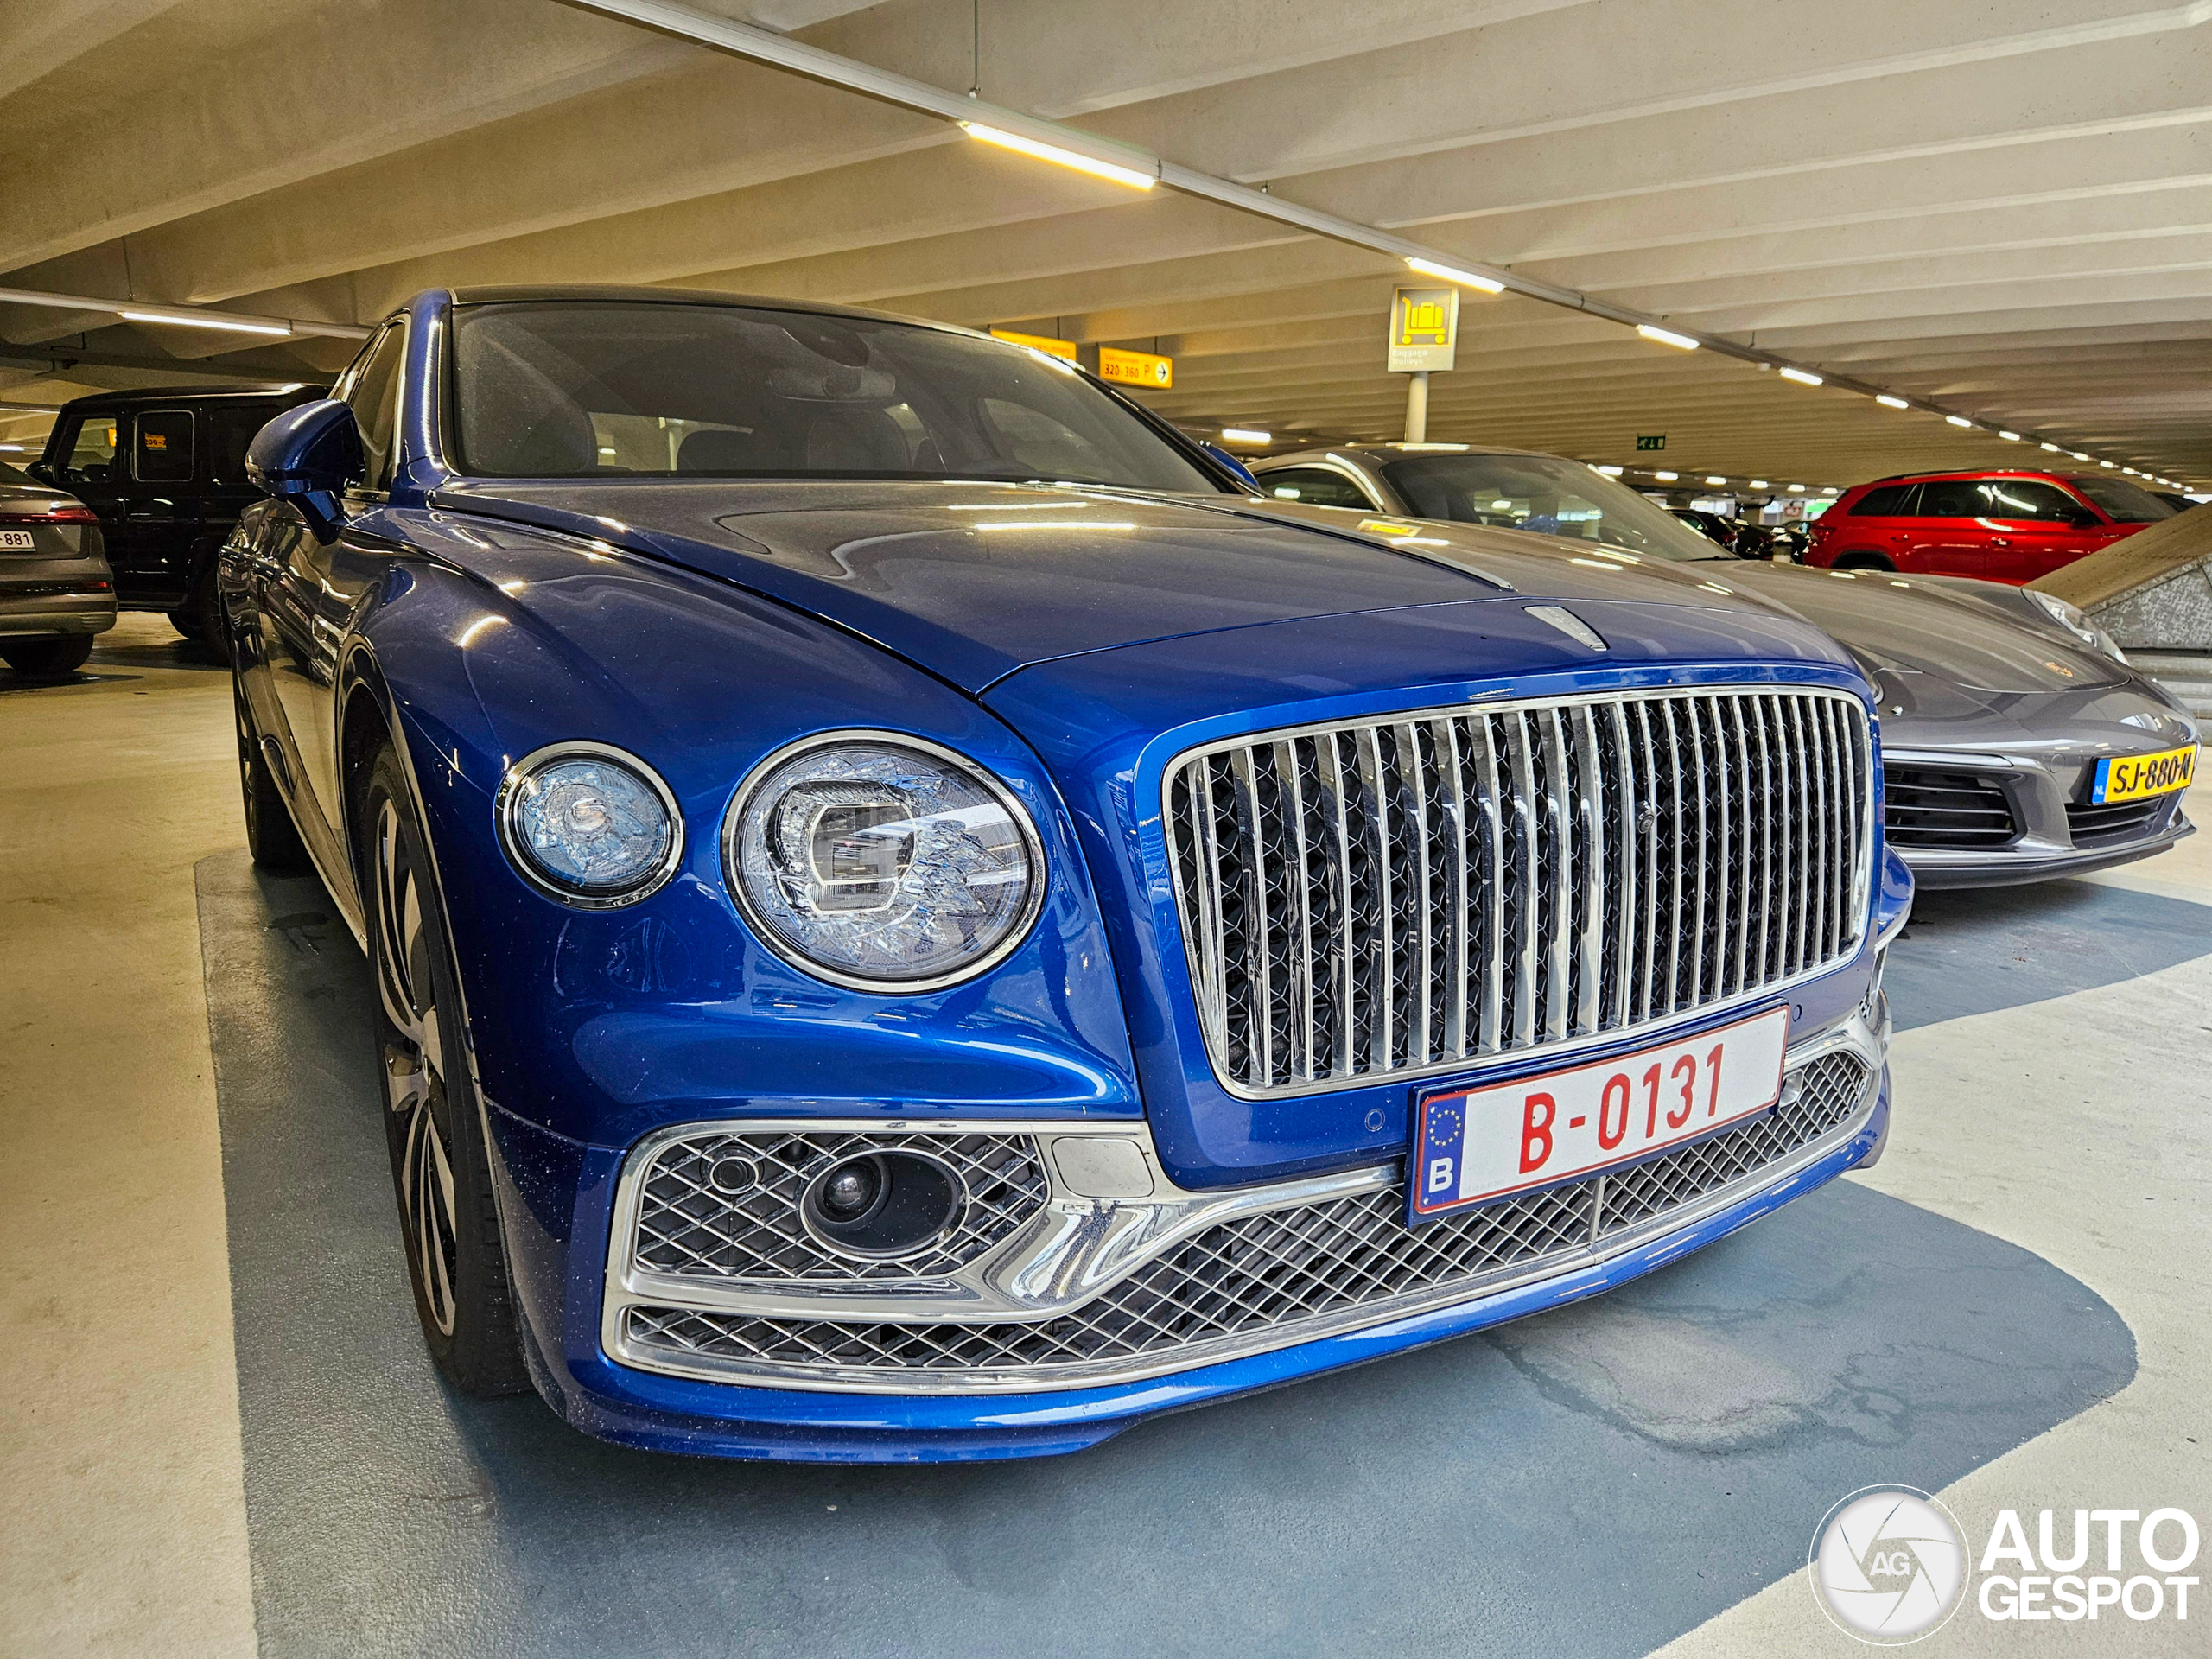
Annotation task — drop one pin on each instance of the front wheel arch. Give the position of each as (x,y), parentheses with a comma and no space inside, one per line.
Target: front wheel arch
(1860,561)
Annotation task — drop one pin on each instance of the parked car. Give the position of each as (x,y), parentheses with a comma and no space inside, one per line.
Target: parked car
(1745,540)
(2000,526)
(165,472)
(2017,744)
(1792,537)
(56,592)
(2175,499)
(910,919)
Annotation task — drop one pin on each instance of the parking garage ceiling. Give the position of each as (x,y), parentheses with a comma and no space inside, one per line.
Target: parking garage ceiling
(2011,217)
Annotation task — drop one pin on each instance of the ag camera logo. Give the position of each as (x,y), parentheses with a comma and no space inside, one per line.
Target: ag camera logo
(1889,1565)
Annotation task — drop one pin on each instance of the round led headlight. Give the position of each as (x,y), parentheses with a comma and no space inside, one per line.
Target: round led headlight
(589,824)
(882,862)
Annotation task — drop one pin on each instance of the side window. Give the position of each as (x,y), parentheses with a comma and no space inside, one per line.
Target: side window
(1950,497)
(88,454)
(2024,498)
(1315,487)
(231,429)
(375,397)
(162,454)
(1886,502)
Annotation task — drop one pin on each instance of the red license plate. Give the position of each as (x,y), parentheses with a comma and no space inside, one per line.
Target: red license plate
(1475,1145)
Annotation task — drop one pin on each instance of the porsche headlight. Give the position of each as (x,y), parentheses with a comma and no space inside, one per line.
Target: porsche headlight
(882,862)
(2070,617)
(589,824)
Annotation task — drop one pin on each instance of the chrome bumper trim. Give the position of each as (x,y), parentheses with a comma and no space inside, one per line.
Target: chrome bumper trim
(1075,1248)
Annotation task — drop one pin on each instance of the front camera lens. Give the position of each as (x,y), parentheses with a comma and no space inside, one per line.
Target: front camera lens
(849,1191)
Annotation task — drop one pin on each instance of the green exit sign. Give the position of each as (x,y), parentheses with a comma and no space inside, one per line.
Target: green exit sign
(1658,442)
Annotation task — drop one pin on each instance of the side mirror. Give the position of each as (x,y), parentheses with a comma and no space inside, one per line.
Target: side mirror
(306,456)
(38,470)
(1233,464)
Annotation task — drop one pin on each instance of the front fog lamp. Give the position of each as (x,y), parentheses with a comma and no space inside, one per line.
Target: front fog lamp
(589,824)
(882,863)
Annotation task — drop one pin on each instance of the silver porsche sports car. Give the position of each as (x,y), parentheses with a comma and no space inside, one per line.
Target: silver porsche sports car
(2017,744)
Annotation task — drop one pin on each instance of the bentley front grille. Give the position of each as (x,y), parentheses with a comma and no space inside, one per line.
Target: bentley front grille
(1271,1278)
(1404,895)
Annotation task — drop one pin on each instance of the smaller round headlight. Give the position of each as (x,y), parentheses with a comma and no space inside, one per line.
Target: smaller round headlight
(589,824)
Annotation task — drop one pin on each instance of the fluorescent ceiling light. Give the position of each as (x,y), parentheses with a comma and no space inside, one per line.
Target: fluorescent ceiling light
(2051,448)
(1667,337)
(1831,489)
(190,320)
(1611,471)
(1958,420)
(2010,437)
(1714,477)
(1758,484)
(2105,464)
(1665,477)
(1888,402)
(1797,489)
(1453,274)
(2078,455)
(1434,448)
(1247,434)
(1803,377)
(1068,158)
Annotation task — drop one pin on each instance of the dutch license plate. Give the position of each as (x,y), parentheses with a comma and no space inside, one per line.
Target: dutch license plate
(2144,775)
(1475,1145)
(17,541)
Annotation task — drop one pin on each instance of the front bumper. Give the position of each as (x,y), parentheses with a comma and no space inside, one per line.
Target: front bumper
(2054,833)
(1092,1313)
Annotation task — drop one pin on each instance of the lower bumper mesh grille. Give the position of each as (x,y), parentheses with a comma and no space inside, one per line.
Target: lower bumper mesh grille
(1282,1268)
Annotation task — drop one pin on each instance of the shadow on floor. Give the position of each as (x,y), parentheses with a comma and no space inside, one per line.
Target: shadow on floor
(1972,952)
(1593,1481)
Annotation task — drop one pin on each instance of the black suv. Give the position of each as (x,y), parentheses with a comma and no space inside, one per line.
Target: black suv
(165,471)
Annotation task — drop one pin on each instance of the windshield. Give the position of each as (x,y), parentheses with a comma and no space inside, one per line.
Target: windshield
(1547,495)
(2123,502)
(598,388)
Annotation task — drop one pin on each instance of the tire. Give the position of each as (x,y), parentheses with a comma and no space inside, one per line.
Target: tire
(270,835)
(47,656)
(433,1121)
(205,608)
(1861,562)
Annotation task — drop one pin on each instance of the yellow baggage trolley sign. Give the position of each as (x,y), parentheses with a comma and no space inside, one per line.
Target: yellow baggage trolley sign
(2134,777)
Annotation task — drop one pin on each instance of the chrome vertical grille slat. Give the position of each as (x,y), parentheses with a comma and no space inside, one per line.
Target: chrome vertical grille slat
(1401,894)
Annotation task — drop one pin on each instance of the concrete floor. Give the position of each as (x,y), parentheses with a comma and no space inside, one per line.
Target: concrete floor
(2010,1310)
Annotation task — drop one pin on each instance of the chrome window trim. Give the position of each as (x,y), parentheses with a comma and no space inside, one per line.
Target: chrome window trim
(1076,1248)
(1032,843)
(1528,1045)
(503,813)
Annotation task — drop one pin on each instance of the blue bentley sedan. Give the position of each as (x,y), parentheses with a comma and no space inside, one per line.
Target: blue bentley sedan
(910,920)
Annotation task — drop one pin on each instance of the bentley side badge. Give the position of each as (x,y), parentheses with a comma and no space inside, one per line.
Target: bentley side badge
(1568,624)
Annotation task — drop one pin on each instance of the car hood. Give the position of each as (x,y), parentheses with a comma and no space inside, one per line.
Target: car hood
(975,580)
(1910,629)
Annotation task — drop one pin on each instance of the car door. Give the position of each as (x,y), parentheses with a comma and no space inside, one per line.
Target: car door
(311,592)
(1946,536)
(2037,527)
(91,454)
(161,505)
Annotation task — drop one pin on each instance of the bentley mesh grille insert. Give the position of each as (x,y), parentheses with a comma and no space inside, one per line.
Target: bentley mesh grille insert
(1281,1269)
(1925,808)
(1404,895)
(688,1224)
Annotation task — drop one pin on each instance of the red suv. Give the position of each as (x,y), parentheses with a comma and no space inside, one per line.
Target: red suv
(2004,526)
